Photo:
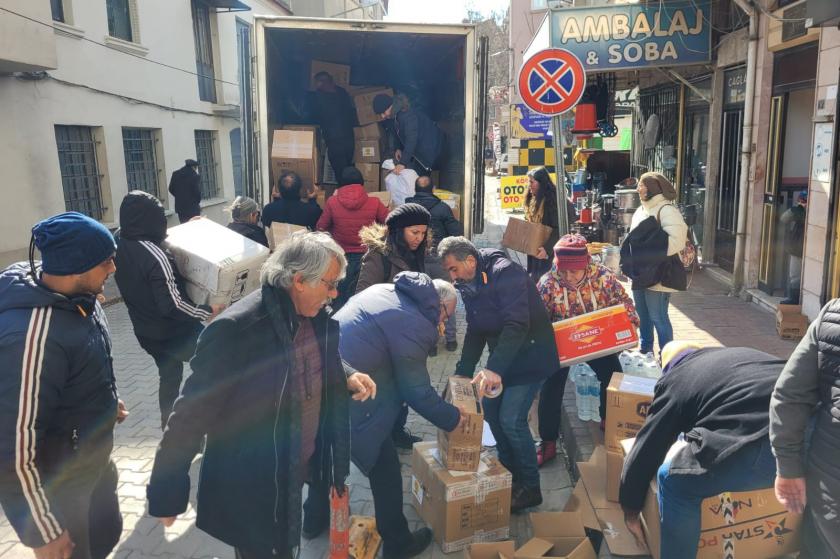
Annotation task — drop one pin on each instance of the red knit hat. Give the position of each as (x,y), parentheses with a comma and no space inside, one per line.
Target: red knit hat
(570,253)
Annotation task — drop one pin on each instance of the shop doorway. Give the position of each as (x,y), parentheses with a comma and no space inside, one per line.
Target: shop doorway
(728,188)
(788,163)
(695,150)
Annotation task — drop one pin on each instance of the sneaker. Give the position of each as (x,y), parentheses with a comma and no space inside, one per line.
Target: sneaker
(420,540)
(546,452)
(404,439)
(525,497)
(452,346)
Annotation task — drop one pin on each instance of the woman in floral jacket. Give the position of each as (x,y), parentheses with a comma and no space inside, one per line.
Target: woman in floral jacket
(575,286)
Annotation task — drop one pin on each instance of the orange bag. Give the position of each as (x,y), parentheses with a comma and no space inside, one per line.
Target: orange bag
(339,523)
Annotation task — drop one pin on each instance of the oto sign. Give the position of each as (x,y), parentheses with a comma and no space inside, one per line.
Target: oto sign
(552,81)
(514,189)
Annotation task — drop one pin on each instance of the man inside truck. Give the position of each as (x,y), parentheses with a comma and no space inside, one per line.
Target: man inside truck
(334,111)
(419,140)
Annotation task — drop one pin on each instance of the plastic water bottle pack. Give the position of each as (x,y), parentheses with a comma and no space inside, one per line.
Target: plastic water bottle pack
(639,364)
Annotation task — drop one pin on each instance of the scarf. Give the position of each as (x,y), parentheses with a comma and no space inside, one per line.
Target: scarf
(534,211)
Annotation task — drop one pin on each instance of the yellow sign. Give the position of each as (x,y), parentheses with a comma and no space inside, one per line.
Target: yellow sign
(514,189)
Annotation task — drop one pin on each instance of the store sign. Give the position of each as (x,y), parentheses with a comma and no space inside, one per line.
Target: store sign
(735,86)
(526,124)
(513,190)
(634,35)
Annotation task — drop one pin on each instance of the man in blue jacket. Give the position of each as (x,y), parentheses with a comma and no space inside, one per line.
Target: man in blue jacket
(504,312)
(58,394)
(419,138)
(388,330)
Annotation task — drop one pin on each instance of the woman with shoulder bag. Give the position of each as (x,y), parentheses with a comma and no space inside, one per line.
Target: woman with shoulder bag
(660,271)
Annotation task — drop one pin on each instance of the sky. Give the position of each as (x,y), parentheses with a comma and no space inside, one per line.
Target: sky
(439,11)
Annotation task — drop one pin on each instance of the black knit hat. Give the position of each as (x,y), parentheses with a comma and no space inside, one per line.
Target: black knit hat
(408,215)
(351,175)
(381,103)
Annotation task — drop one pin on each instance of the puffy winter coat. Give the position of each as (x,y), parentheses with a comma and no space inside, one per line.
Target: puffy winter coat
(387,331)
(505,312)
(381,263)
(347,211)
(670,220)
(153,289)
(58,402)
(239,395)
(420,137)
(296,212)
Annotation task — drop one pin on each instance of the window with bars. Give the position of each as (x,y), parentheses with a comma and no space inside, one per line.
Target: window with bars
(203,36)
(80,176)
(119,19)
(141,167)
(57,7)
(205,151)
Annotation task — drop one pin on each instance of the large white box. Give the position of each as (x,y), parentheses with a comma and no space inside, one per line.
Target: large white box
(220,265)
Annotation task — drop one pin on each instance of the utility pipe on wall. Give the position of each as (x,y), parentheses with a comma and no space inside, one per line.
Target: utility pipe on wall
(746,148)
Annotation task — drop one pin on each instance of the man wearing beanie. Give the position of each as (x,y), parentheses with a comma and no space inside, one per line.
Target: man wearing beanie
(58,395)
(505,314)
(418,140)
(185,186)
(166,322)
(345,213)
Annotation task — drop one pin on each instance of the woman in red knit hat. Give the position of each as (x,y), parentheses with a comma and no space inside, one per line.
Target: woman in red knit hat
(574,286)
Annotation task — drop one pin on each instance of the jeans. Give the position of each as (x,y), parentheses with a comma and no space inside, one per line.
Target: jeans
(507,416)
(386,485)
(551,396)
(170,356)
(752,467)
(399,423)
(652,307)
(347,286)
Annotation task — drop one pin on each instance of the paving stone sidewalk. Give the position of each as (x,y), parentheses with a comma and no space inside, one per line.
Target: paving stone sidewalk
(703,314)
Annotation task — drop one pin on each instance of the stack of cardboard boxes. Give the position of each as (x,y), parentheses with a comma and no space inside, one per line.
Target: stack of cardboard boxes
(556,535)
(791,324)
(461,493)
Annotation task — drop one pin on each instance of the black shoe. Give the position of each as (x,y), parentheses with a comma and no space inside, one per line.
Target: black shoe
(312,528)
(404,439)
(433,351)
(525,497)
(420,540)
(451,346)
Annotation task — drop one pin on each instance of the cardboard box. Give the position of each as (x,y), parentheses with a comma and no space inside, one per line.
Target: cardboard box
(461,449)
(628,402)
(368,132)
(557,535)
(615,463)
(524,236)
(279,232)
(385,197)
(494,550)
(370,172)
(295,150)
(364,104)
(754,521)
(450,199)
(220,266)
(790,323)
(460,507)
(368,151)
(340,72)
(595,334)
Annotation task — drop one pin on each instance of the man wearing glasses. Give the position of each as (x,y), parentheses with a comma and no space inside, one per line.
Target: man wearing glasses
(272,396)
(388,330)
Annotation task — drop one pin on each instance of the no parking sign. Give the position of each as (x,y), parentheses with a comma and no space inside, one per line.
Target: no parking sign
(552,81)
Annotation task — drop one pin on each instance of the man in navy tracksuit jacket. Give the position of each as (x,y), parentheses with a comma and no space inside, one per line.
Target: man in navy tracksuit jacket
(58,395)
(165,321)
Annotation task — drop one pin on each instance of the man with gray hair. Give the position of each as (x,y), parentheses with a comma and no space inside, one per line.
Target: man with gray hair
(506,314)
(246,219)
(271,394)
(388,330)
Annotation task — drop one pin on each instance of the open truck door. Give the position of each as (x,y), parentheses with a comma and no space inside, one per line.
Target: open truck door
(479,138)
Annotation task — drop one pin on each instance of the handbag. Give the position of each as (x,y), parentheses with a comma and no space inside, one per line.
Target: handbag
(675,269)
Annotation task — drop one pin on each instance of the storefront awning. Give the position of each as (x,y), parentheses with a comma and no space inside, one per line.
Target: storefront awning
(227,5)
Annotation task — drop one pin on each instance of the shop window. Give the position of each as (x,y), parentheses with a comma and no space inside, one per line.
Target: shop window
(205,151)
(80,177)
(141,168)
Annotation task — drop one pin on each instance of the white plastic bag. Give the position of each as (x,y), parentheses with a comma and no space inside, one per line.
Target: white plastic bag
(400,186)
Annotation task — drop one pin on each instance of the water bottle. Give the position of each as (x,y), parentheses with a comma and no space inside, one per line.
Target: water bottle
(624,359)
(582,397)
(594,397)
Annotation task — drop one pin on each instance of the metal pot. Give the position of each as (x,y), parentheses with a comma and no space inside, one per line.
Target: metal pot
(625,217)
(627,199)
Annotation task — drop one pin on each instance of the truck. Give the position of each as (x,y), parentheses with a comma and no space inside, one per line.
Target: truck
(441,68)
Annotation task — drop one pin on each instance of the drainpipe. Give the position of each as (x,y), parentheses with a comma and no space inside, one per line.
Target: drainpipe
(746,148)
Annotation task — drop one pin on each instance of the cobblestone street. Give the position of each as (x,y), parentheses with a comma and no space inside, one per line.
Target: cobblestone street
(704,314)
